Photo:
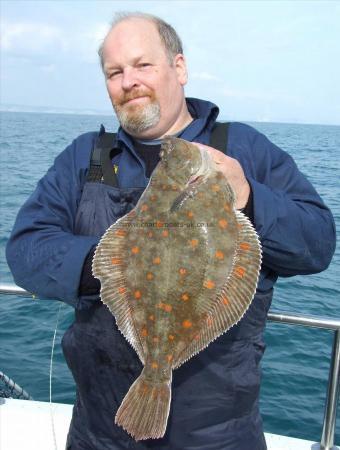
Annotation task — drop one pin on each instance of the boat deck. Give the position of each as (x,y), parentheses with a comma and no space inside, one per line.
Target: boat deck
(28,425)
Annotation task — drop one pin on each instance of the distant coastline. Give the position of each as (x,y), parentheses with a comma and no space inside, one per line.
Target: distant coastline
(96,112)
(53,110)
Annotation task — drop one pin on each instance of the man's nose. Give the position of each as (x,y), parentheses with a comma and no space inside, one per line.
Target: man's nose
(129,79)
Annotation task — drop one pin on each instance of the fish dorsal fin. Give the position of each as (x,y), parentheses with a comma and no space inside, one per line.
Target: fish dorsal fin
(109,265)
(227,307)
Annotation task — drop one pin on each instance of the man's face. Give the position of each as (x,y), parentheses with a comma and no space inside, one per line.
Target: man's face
(146,91)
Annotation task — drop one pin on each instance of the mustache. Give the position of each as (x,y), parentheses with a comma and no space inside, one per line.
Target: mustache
(132,95)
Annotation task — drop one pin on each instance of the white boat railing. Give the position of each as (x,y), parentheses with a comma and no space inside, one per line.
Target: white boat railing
(328,430)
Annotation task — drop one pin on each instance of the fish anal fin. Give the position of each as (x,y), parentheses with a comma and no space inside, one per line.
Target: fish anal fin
(116,298)
(236,295)
(109,267)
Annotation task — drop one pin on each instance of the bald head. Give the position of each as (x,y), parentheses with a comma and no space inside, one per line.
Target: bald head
(167,34)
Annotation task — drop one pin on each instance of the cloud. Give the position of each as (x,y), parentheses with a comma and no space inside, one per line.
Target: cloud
(98,33)
(267,96)
(206,76)
(29,38)
(43,44)
(49,68)
(243,94)
(87,42)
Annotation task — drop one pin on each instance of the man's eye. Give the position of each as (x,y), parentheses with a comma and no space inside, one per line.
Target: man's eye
(113,74)
(143,65)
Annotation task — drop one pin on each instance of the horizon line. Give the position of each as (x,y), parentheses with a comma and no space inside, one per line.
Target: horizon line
(14,108)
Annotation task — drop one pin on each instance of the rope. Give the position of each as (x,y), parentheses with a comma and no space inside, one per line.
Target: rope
(51,370)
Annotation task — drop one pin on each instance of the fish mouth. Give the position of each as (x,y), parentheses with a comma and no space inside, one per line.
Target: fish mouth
(195,179)
(203,170)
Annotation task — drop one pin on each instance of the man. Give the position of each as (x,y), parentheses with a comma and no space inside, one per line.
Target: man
(215,394)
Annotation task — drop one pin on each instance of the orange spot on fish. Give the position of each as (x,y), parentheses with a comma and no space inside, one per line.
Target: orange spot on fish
(190,214)
(151,317)
(209,284)
(193,243)
(165,233)
(215,188)
(135,250)
(137,294)
(169,358)
(153,197)
(225,301)
(144,207)
(185,297)
(144,332)
(149,276)
(196,337)
(171,337)
(245,246)
(222,223)
(121,290)
(240,272)
(144,388)
(159,224)
(165,307)
(154,365)
(120,233)
(182,271)
(219,254)
(174,187)
(116,261)
(156,260)
(226,207)
(209,321)
(186,324)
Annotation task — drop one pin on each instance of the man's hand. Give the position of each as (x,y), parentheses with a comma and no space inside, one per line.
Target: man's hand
(233,172)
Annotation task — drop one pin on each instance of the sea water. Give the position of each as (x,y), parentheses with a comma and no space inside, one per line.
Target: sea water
(296,362)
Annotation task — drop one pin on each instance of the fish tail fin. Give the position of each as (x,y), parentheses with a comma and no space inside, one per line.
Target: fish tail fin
(145,409)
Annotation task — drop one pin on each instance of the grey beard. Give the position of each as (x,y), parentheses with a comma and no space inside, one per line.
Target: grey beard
(135,123)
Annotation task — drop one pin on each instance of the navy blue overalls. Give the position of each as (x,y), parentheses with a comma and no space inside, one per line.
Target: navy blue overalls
(215,394)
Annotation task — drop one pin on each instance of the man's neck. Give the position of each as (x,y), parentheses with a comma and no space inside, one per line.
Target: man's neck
(182,120)
(178,126)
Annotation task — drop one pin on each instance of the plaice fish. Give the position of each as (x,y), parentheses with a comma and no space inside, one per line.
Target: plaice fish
(176,272)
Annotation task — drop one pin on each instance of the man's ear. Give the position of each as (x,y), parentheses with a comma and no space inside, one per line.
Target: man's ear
(181,68)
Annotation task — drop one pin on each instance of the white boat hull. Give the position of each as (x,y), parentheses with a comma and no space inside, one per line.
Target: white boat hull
(28,425)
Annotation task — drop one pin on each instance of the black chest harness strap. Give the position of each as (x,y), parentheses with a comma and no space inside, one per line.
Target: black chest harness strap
(101,170)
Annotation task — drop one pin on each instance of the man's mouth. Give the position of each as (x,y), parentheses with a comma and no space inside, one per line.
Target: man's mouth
(135,99)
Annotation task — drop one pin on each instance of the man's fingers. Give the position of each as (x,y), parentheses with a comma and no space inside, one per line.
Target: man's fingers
(216,155)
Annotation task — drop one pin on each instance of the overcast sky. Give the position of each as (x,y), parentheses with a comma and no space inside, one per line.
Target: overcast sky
(271,60)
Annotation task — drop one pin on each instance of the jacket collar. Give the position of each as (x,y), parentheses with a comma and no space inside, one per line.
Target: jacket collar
(203,112)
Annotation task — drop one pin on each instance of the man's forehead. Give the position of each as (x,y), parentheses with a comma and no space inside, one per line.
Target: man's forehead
(133,37)
(134,27)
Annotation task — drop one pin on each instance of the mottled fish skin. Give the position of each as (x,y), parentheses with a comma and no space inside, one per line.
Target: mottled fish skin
(177,272)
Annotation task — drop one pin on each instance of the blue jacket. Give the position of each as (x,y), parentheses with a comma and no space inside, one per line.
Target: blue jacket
(215,394)
(296,229)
